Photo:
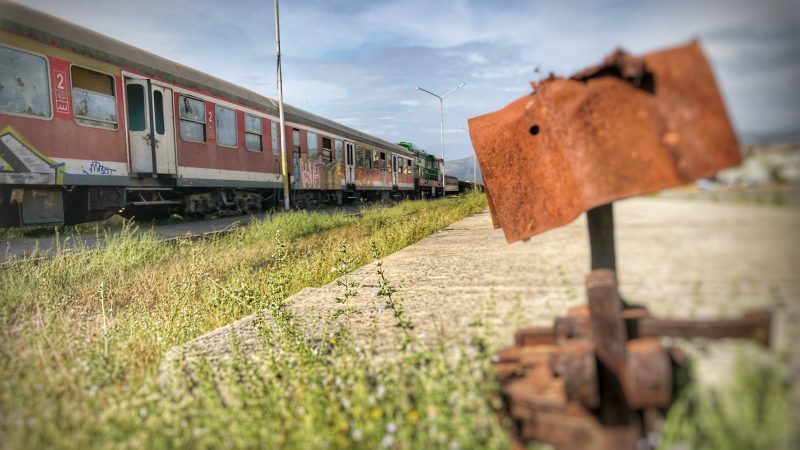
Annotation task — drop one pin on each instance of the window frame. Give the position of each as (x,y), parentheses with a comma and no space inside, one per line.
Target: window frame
(275,137)
(341,151)
(260,135)
(49,84)
(323,149)
(359,156)
(75,117)
(297,146)
(216,125)
(205,125)
(155,117)
(308,145)
(368,164)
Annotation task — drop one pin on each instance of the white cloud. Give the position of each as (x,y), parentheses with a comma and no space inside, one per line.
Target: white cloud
(360,61)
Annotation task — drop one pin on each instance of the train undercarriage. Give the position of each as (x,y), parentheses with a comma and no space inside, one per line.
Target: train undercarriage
(22,206)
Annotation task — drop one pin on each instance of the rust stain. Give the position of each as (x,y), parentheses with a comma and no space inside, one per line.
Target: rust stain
(625,127)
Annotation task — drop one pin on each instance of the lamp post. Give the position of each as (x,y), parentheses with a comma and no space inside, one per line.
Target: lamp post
(441,120)
(284,163)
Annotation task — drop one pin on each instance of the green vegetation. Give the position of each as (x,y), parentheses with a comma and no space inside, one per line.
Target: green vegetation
(752,411)
(82,338)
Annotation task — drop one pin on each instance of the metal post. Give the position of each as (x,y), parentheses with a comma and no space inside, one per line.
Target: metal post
(441,130)
(284,163)
(441,120)
(601,237)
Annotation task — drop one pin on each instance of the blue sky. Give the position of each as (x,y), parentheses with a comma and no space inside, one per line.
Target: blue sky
(358,62)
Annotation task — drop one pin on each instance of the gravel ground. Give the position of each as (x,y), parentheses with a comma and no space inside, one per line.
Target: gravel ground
(688,259)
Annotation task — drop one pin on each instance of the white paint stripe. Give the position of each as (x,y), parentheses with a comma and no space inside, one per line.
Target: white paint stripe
(93,167)
(219,174)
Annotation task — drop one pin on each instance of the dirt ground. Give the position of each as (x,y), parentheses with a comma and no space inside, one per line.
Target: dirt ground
(680,258)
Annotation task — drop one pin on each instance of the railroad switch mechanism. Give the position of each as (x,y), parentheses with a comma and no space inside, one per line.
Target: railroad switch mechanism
(601,378)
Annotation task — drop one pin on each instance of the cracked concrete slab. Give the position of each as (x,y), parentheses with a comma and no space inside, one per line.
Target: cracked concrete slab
(679,258)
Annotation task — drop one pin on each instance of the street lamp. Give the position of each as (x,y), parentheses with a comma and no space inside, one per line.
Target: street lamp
(284,162)
(441,117)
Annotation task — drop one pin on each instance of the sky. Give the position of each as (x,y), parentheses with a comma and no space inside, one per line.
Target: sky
(359,62)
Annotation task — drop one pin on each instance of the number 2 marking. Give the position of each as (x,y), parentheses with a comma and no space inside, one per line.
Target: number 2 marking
(60,81)
(210,117)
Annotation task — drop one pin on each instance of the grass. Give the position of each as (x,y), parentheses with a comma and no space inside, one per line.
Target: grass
(753,410)
(82,338)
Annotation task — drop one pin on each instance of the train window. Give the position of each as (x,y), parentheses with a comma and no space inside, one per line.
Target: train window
(383,161)
(93,98)
(338,151)
(296,142)
(368,158)
(252,132)
(276,149)
(313,145)
(193,119)
(26,85)
(359,157)
(326,149)
(227,134)
(136,107)
(158,111)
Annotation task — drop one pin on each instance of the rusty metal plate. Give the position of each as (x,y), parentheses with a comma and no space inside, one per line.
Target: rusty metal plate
(626,127)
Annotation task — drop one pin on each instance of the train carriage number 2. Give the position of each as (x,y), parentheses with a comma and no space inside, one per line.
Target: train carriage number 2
(61,97)
(210,134)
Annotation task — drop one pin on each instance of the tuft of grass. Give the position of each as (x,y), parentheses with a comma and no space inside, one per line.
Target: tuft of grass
(752,411)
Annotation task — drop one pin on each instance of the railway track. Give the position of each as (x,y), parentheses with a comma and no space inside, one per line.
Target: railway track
(19,249)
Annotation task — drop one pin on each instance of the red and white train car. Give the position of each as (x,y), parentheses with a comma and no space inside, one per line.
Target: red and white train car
(90,126)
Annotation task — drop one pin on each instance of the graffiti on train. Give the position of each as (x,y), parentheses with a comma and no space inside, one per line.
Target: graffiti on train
(318,174)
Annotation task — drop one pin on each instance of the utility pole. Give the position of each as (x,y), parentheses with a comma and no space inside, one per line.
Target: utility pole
(284,163)
(474,173)
(441,120)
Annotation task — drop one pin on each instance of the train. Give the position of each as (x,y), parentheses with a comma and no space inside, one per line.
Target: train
(91,127)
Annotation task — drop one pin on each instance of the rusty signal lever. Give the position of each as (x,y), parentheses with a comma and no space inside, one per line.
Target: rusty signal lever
(754,325)
(600,378)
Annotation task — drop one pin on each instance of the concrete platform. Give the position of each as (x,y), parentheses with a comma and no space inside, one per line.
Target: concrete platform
(681,258)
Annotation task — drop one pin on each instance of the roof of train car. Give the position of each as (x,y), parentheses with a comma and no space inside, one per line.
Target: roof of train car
(52,30)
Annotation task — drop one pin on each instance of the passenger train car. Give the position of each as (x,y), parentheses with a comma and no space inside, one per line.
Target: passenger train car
(90,126)
(427,171)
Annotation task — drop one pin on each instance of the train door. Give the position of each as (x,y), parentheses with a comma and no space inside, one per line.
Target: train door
(394,170)
(151,127)
(349,163)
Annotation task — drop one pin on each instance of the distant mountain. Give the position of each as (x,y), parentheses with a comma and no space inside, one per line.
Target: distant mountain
(773,137)
(462,169)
